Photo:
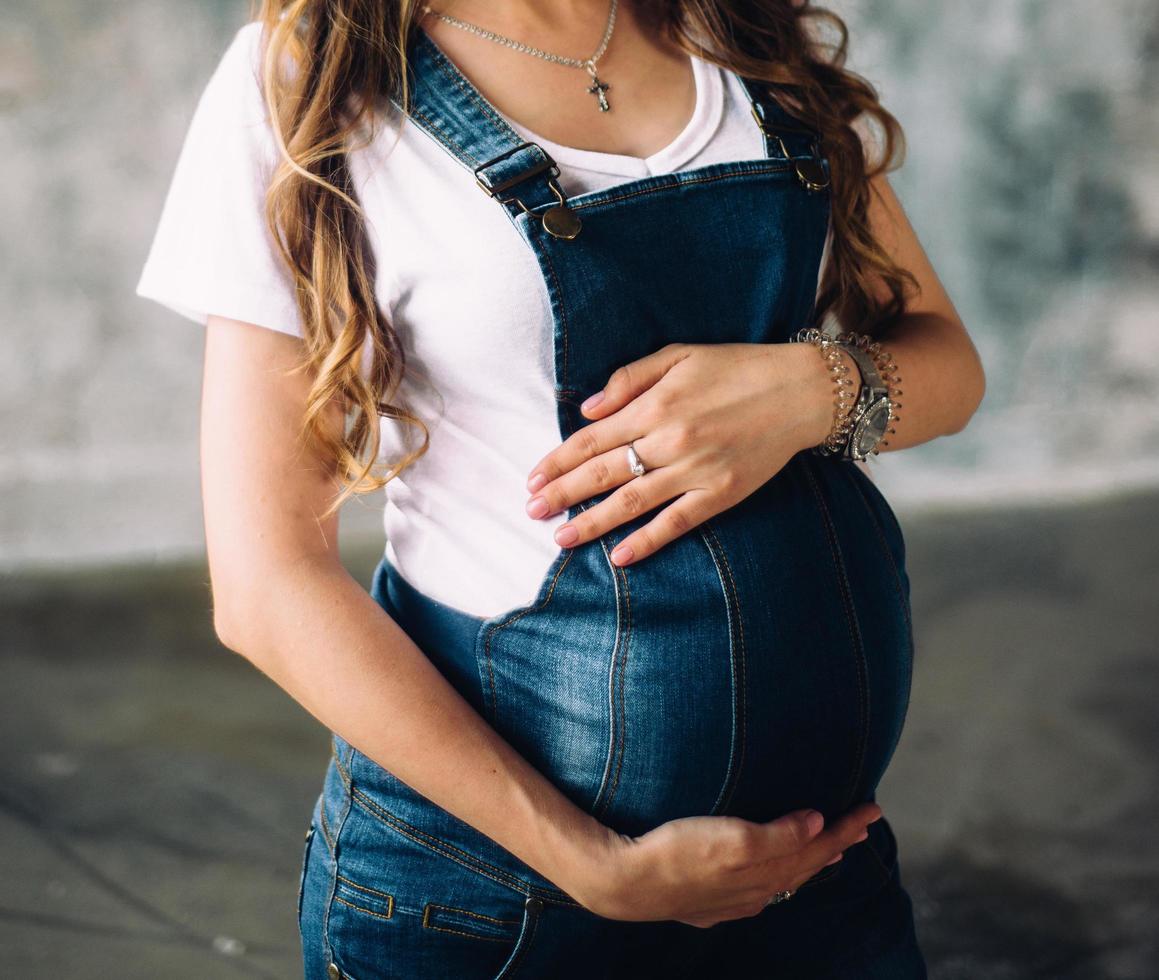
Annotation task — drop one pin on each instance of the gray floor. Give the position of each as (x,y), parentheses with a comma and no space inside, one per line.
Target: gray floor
(156,787)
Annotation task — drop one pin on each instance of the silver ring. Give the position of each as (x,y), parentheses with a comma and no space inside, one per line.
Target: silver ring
(634,463)
(779,897)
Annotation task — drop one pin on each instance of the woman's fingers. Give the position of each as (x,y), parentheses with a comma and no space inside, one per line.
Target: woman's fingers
(631,380)
(637,496)
(706,869)
(690,509)
(838,837)
(601,436)
(602,472)
(790,833)
(756,906)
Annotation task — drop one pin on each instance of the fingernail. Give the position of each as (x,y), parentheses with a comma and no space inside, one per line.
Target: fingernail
(592,401)
(566,535)
(537,507)
(621,553)
(814,821)
(536,482)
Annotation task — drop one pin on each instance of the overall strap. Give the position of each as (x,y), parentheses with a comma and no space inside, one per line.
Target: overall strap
(450,109)
(783,131)
(521,175)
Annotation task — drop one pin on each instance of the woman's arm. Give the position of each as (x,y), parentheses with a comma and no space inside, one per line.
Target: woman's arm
(942,379)
(283,600)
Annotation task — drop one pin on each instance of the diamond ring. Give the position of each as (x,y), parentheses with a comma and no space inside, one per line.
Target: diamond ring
(634,463)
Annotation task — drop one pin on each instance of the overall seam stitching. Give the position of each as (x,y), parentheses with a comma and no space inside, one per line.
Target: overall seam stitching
(468,935)
(507,622)
(438,131)
(901,596)
(323,826)
(524,943)
(885,550)
(451,71)
(473,915)
(597,803)
(450,851)
(738,656)
(575,205)
(344,775)
(428,924)
(619,670)
(371,891)
(851,622)
(558,297)
(359,908)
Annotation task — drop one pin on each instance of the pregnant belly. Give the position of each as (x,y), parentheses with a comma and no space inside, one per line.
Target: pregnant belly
(758,664)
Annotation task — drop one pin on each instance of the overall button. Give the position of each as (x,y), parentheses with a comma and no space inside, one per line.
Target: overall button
(562,222)
(811,174)
(333,972)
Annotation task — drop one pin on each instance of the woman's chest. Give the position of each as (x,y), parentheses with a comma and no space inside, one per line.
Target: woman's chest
(455,276)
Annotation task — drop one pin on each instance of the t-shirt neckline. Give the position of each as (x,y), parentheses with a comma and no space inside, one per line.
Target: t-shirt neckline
(691,140)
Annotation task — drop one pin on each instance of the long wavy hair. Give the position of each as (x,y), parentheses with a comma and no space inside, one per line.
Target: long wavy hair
(328,65)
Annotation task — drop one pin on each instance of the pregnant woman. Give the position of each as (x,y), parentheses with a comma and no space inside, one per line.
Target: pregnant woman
(615,302)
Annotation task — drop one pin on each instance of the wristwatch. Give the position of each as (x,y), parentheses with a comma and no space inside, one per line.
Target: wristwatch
(871,412)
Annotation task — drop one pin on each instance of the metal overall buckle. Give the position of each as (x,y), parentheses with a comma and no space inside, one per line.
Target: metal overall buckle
(559,221)
(809,170)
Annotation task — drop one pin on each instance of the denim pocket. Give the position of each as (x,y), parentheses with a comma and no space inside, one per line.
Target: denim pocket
(405,906)
(474,925)
(363,898)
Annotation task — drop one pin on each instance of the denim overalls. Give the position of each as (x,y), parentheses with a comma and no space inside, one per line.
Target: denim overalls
(759,664)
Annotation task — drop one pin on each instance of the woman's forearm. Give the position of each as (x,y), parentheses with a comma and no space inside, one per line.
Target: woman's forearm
(942,380)
(320,636)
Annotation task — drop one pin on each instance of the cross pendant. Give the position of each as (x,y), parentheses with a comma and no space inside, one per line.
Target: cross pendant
(598,89)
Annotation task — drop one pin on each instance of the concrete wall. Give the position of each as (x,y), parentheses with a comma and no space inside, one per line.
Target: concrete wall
(1032,179)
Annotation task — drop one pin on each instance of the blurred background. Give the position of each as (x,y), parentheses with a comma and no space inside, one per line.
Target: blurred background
(155,787)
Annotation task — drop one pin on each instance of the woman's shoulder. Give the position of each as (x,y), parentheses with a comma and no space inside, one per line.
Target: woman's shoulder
(242,56)
(235,84)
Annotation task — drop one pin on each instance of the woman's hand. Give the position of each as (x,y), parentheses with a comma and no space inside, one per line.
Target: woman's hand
(711,422)
(705,870)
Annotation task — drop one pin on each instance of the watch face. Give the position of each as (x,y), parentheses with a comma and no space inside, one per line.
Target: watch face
(873,425)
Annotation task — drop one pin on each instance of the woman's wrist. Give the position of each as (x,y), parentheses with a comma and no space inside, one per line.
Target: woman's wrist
(591,866)
(818,391)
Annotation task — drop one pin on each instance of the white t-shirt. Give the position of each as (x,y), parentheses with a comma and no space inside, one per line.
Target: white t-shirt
(457,282)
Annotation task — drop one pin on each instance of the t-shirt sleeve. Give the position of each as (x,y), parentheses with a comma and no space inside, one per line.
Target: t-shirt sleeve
(212,252)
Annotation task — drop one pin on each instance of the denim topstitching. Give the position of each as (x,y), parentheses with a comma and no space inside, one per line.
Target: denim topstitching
(737,657)
(852,622)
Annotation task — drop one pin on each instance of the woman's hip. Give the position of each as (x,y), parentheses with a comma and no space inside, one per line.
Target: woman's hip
(394,886)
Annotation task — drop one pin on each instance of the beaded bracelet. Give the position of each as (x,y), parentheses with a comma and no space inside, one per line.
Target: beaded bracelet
(845,399)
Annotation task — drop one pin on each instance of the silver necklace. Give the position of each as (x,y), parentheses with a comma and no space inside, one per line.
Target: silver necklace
(597,88)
